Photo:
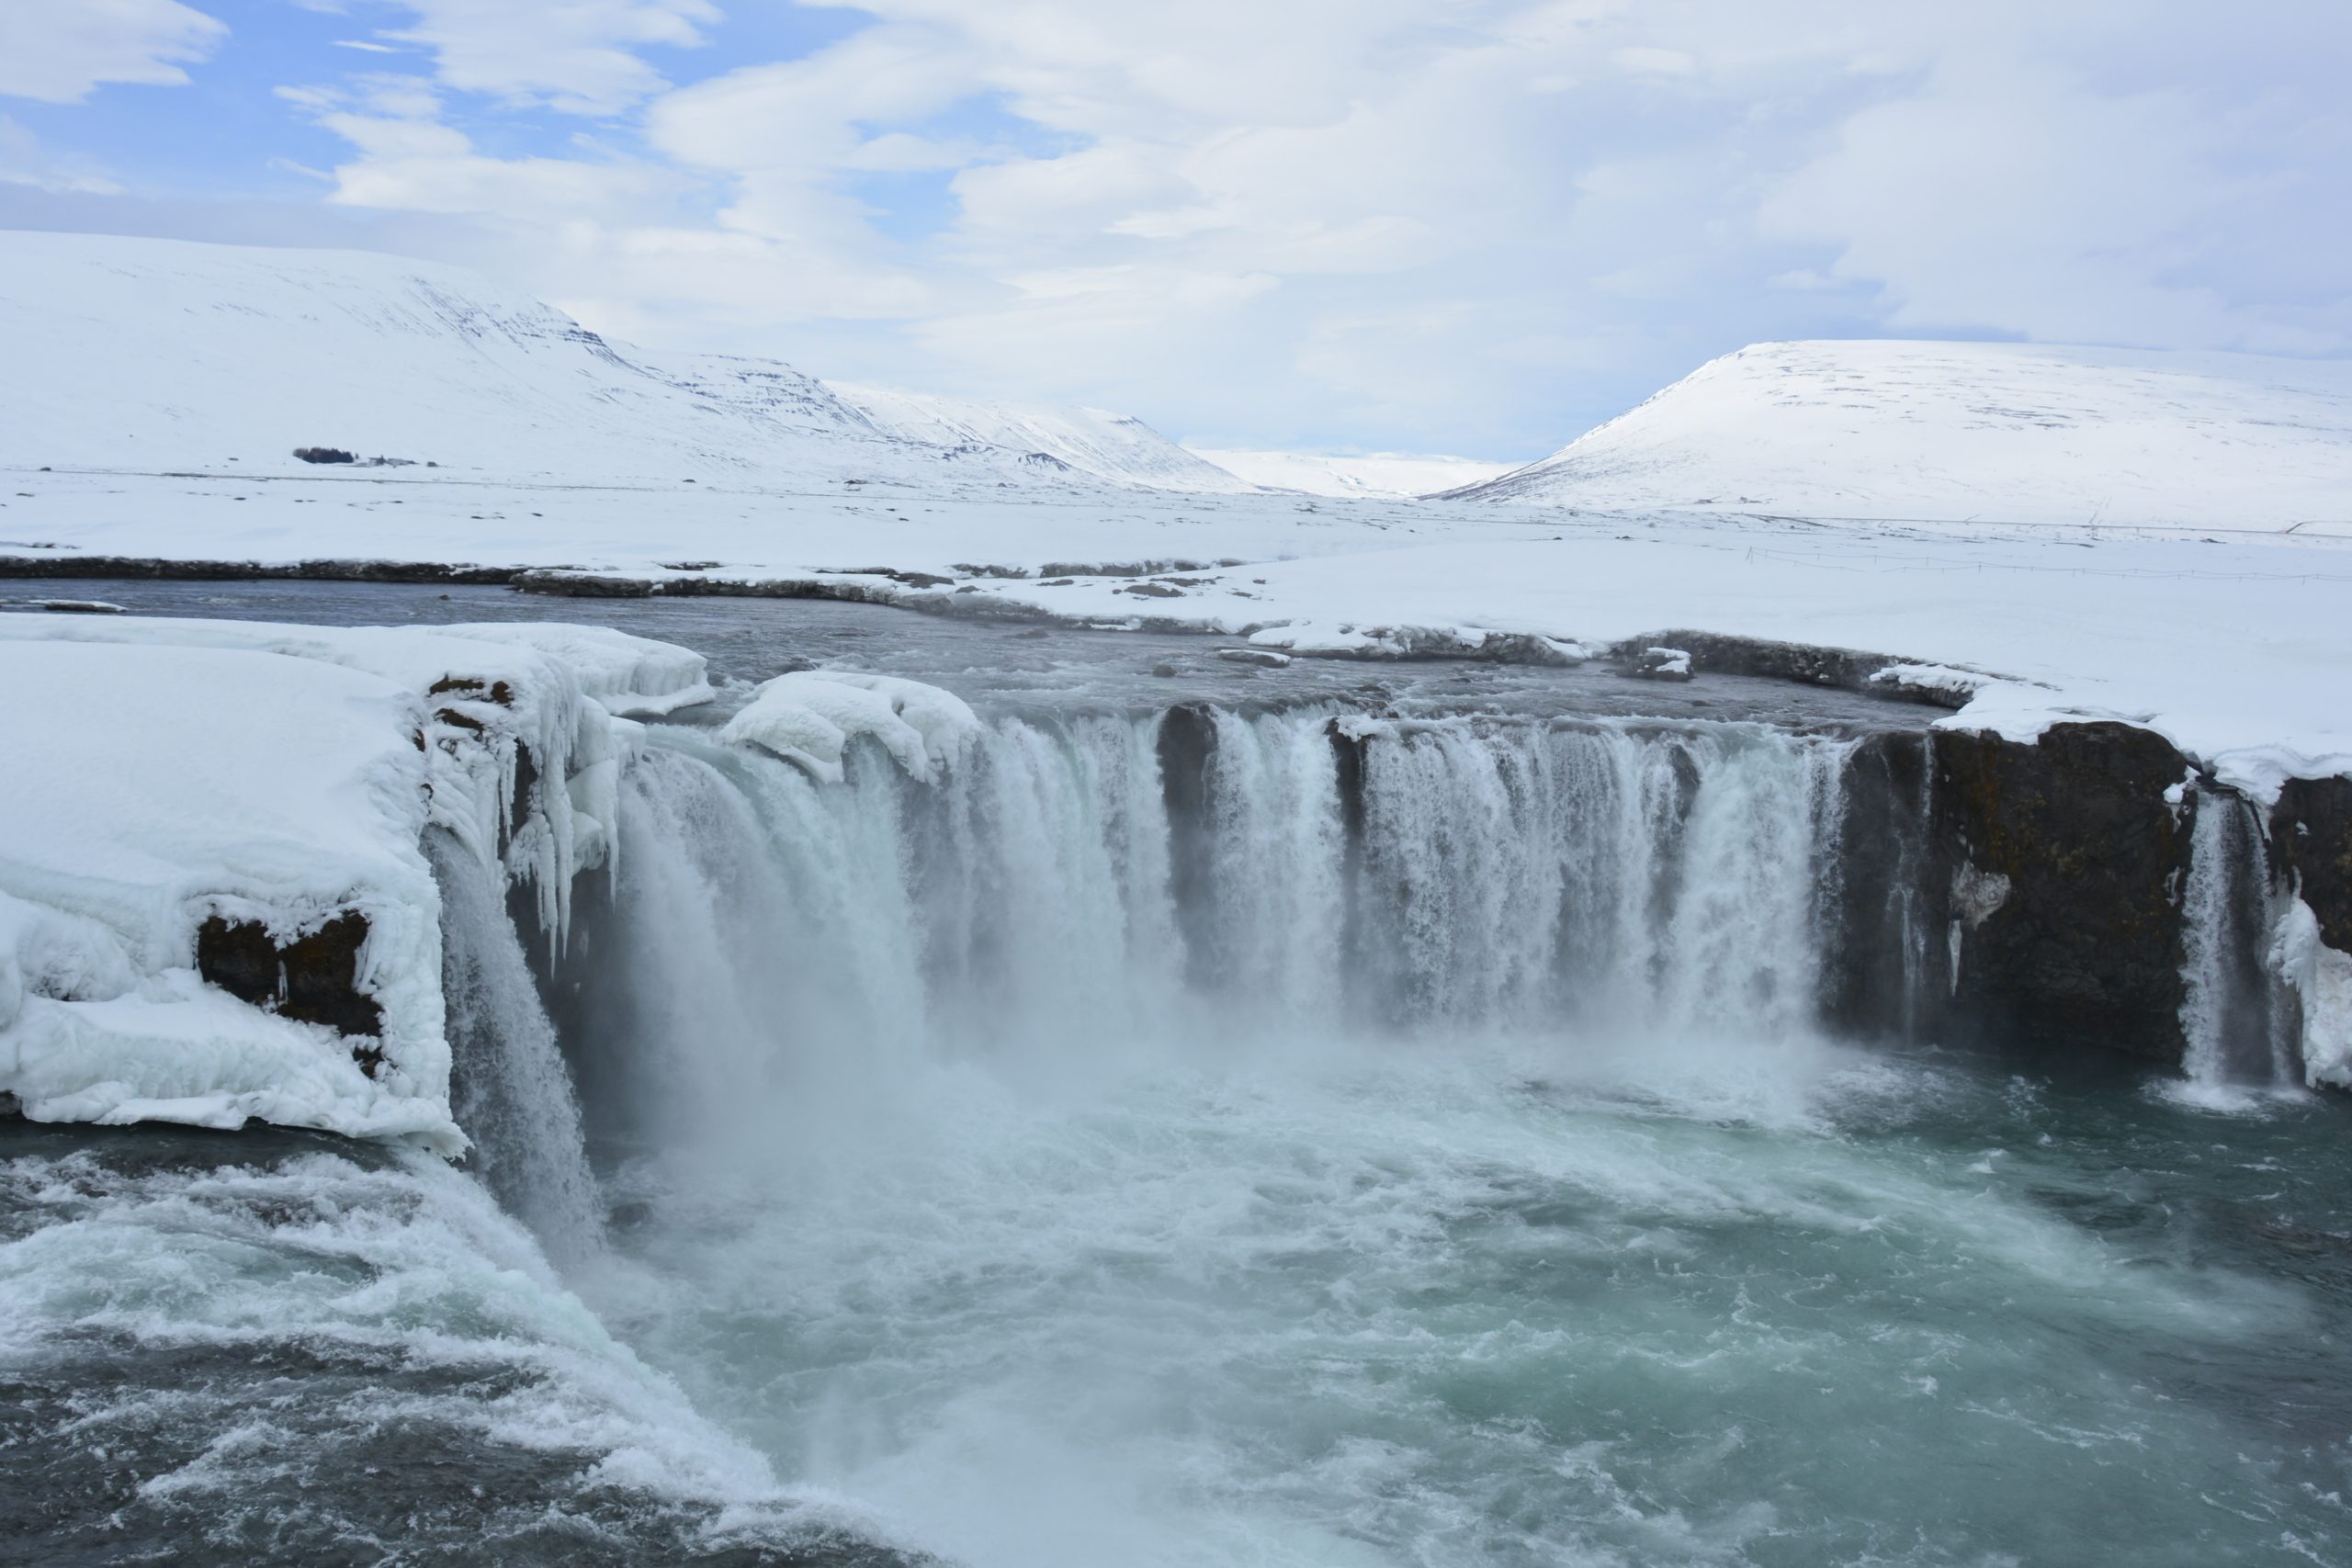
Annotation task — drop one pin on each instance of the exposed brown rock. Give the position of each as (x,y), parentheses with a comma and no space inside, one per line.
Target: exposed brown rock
(314,978)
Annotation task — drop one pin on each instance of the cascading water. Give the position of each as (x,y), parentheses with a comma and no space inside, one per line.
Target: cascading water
(510,1089)
(1317,871)
(2230,1014)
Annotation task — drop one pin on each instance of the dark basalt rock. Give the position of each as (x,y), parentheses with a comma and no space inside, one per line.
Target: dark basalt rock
(527,791)
(2310,837)
(2060,863)
(473,689)
(583,585)
(1801,662)
(314,978)
(1187,753)
(1885,967)
(156,569)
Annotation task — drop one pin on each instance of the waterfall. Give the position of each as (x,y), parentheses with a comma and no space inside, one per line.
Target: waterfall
(509,1089)
(1077,885)
(2235,1031)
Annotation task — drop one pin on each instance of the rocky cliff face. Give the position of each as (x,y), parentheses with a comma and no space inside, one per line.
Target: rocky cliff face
(2037,895)
(2059,867)
(2311,841)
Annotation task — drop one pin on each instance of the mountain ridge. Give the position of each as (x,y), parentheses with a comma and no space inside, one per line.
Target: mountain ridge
(1894,430)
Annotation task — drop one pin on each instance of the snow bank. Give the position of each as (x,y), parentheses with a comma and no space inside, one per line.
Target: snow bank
(153,786)
(1937,683)
(631,677)
(811,717)
(167,773)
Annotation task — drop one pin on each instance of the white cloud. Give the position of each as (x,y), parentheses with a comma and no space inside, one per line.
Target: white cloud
(1473,224)
(2014,198)
(573,56)
(410,161)
(58,51)
(25,161)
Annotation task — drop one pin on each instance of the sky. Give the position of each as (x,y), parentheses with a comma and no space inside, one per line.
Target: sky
(1468,226)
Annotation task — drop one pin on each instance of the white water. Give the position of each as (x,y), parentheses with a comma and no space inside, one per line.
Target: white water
(2235,1031)
(510,1089)
(776,930)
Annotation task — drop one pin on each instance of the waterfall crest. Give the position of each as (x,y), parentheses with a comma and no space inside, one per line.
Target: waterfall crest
(1077,883)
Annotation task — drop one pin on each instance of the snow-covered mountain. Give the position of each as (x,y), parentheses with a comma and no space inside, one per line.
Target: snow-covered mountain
(1996,431)
(1108,446)
(160,354)
(1389,475)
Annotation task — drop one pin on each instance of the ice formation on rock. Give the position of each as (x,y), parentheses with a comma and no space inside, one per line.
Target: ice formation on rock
(811,717)
(277,780)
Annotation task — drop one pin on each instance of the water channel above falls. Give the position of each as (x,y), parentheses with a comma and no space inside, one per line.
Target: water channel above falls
(1194,1141)
(1007,667)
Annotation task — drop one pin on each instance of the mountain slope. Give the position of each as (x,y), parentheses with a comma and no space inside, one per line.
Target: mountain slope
(1999,432)
(1094,441)
(1388,475)
(160,354)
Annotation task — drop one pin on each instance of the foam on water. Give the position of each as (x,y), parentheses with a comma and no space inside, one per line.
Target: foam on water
(269,1347)
(1391,1306)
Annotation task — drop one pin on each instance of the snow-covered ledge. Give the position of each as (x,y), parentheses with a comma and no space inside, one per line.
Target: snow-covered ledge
(186,798)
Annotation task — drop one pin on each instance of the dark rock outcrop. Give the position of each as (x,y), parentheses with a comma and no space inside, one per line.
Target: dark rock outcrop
(1801,662)
(1187,754)
(2311,840)
(2055,877)
(314,978)
(156,569)
(1885,967)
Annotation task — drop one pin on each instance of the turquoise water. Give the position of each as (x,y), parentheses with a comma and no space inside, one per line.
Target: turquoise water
(1786,1305)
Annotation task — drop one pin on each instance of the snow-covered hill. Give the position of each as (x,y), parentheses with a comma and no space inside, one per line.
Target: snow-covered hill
(161,354)
(1996,431)
(1108,446)
(1391,475)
